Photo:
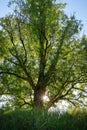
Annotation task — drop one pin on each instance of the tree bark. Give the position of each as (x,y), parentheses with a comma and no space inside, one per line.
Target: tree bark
(39,93)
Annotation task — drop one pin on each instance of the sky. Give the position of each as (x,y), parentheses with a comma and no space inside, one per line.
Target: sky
(77,7)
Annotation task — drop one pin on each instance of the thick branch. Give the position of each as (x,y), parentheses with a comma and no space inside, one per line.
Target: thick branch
(14,74)
(20,60)
(22,41)
(42,55)
(61,96)
(29,78)
(10,34)
(54,62)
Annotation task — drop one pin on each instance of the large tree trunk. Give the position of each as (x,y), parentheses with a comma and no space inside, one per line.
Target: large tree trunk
(39,93)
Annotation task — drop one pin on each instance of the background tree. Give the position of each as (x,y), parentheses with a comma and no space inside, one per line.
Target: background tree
(42,54)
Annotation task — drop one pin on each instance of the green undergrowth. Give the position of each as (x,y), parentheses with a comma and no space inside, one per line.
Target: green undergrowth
(41,120)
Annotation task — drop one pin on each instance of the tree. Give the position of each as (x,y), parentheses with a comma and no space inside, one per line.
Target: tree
(42,54)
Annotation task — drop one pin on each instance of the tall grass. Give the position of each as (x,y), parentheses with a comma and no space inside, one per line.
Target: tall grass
(42,120)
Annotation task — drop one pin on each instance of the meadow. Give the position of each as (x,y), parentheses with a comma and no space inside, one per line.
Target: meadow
(25,119)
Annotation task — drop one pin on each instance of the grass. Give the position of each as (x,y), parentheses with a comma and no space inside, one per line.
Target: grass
(42,120)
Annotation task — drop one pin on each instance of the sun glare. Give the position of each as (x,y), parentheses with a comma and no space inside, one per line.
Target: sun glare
(45,98)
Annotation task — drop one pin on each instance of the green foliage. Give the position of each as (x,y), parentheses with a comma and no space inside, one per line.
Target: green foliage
(41,53)
(42,120)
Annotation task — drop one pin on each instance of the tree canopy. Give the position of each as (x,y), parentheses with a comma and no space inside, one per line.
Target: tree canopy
(41,54)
